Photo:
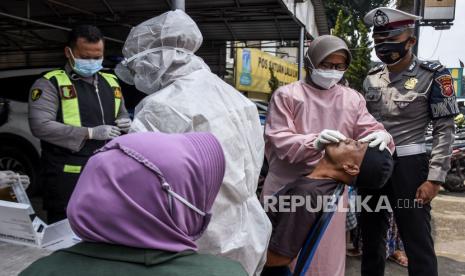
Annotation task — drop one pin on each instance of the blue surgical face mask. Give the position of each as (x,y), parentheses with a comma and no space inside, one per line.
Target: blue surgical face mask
(86,67)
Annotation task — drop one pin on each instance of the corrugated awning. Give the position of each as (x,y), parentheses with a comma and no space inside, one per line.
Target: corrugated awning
(22,36)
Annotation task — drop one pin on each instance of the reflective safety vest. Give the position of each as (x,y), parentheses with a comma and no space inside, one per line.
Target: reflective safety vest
(69,99)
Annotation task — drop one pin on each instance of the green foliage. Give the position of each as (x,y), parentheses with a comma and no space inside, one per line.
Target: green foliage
(360,58)
(350,27)
(356,7)
(342,27)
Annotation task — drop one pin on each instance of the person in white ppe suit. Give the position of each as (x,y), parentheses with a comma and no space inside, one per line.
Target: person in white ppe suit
(185,96)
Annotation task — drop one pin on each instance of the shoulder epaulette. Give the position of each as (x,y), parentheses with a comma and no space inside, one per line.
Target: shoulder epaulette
(376,69)
(431,66)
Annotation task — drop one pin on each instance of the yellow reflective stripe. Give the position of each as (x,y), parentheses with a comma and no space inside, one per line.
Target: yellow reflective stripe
(110,78)
(112,81)
(69,107)
(72,169)
(71,115)
(59,74)
(117,106)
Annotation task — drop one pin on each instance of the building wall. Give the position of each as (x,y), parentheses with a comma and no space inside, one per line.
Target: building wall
(305,12)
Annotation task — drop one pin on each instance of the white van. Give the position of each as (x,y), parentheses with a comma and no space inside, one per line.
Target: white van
(19,149)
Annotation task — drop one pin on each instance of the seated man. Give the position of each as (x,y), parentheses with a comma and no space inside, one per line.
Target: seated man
(341,163)
(139,206)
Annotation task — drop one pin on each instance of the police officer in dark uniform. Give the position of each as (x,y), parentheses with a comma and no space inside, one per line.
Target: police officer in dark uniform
(406,95)
(74,111)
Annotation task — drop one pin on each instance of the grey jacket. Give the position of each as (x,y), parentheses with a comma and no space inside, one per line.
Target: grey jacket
(407,102)
(43,107)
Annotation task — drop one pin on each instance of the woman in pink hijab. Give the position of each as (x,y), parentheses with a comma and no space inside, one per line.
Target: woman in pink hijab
(139,205)
(303,118)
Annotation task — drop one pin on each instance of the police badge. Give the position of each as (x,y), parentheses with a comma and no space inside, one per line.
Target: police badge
(118,93)
(68,92)
(410,83)
(446,84)
(380,18)
(35,94)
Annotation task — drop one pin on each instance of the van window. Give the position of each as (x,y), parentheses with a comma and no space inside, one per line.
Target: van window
(17,88)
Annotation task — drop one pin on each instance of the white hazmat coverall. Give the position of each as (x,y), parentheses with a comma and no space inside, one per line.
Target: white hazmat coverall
(184,96)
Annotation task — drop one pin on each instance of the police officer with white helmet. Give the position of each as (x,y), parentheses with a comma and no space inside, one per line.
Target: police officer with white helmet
(406,95)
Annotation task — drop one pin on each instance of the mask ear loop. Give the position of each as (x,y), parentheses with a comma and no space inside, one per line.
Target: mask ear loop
(164,184)
(71,52)
(72,55)
(126,61)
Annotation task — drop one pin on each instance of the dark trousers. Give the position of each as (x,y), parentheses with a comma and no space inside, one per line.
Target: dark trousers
(412,218)
(276,271)
(58,184)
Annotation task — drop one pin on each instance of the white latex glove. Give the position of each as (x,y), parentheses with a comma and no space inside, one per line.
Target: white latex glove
(104,132)
(7,178)
(25,181)
(123,124)
(378,138)
(328,136)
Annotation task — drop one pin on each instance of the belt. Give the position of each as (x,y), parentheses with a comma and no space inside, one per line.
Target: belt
(410,149)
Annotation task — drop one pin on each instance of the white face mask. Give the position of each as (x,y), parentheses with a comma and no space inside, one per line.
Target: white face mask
(326,78)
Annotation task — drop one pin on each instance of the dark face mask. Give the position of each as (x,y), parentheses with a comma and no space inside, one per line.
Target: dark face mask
(391,52)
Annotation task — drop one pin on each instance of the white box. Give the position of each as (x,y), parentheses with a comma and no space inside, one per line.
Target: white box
(17,227)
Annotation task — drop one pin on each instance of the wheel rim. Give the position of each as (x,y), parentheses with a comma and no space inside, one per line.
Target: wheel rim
(11,164)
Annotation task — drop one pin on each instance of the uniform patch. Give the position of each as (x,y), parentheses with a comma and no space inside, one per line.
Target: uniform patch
(442,98)
(380,18)
(411,83)
(395,55)
(68,92)
(448,107)
(35,94)
(412,66)
(118,93)
(446,84)
(402,105)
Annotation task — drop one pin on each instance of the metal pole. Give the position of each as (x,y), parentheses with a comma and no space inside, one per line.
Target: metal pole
(179,5)
(28,9)
(301,53)
(416,9)
(51,25)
